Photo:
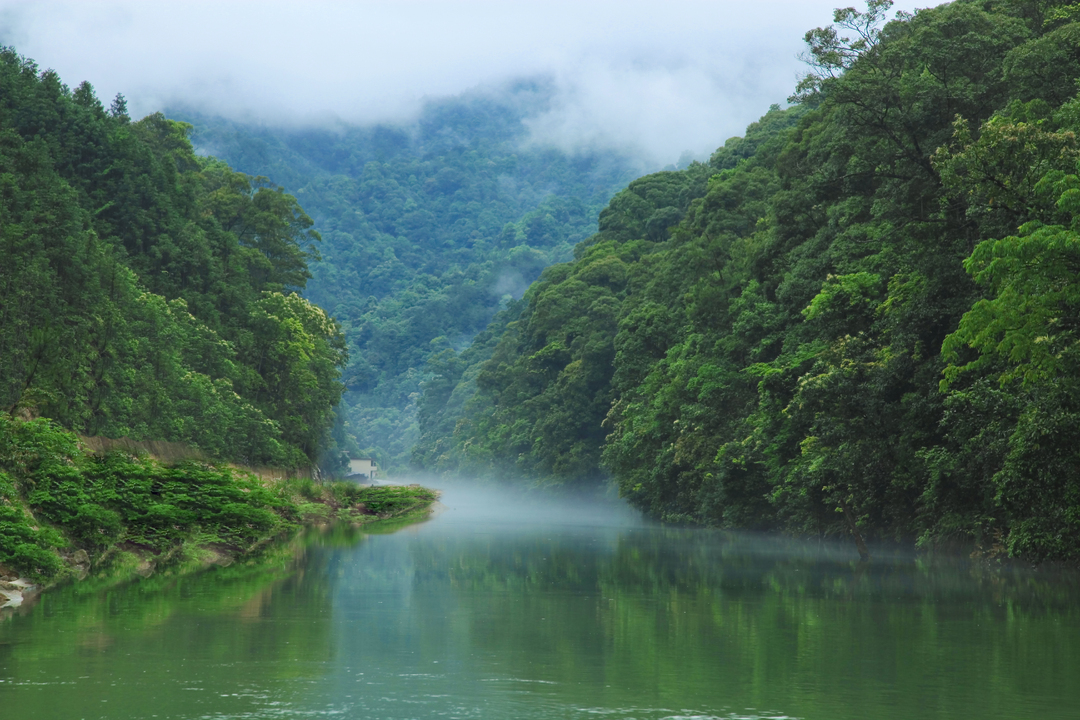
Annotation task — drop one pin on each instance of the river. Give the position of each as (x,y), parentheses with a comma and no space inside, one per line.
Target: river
(504,609)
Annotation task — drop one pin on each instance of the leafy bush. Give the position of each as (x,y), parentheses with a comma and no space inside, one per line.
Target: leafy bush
(24,547)
(99,501)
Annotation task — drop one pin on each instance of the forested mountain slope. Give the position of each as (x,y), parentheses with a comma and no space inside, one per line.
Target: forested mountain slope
(151,293)
(429,228)
(860,318)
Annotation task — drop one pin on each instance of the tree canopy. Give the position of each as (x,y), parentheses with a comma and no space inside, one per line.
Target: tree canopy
(149,292)
(858,318)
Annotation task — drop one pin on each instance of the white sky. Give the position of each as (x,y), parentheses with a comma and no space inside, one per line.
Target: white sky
(659,77)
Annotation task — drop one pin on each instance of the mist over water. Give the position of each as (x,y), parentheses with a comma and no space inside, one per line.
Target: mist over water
(525,606)
(474,504)
(487,507)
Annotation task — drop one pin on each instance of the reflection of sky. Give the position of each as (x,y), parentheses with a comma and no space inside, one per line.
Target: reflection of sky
(535,610)
(515,608)
(406,630)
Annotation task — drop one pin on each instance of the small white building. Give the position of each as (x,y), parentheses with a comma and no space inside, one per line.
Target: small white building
(363,467)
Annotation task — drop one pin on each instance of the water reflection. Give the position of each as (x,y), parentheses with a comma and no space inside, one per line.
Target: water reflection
(521,609)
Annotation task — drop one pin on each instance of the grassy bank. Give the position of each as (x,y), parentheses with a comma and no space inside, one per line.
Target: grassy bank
(68,513)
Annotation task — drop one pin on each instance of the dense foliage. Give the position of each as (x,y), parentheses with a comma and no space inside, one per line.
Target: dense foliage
(55,496)
(547,387)
(428,230)
(860,318)
(151,293)
(65,510)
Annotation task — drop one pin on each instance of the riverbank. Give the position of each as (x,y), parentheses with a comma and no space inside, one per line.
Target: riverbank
(67,513)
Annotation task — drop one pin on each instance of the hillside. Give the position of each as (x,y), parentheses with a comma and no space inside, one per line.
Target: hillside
(151,293)
(429,228)
(857,319)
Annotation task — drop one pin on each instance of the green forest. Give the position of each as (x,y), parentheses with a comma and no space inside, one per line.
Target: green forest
(860,318)
(429,228)
(148,292)
(152,294)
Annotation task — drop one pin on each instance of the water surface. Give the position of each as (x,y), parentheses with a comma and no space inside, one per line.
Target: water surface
(528,610)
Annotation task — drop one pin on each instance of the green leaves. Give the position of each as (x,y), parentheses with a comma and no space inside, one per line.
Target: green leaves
(542,398)
(831,53)
(780,340)
(131,275)
(1029,320)
(297,350)
(99,501)
(843,294)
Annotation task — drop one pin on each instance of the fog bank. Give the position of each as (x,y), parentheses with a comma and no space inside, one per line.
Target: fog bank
(657,79)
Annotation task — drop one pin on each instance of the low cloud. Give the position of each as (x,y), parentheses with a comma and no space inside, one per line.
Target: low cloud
(655,78)
(510,282)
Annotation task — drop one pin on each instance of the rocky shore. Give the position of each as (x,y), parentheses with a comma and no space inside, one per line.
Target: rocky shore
(14,591)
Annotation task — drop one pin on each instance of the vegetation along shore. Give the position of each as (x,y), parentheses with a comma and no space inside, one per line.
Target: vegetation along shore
(151,294)
(66,512)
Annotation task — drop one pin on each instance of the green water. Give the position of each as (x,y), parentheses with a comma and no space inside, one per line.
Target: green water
(504,612)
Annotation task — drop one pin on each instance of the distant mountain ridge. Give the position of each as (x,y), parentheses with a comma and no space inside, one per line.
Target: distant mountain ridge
(428,230)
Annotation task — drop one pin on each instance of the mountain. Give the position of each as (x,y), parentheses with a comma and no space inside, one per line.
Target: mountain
(151,293)
(860,318)
(429,228)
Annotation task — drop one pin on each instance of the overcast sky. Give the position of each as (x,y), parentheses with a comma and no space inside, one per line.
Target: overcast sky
(659,77)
